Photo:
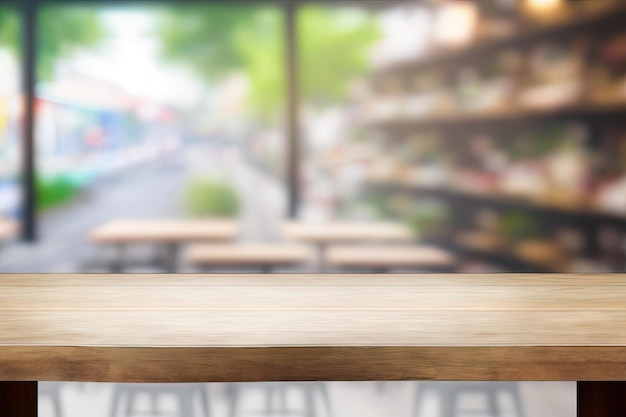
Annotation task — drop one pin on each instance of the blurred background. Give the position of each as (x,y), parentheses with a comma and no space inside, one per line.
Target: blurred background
(491,129)
(485,136)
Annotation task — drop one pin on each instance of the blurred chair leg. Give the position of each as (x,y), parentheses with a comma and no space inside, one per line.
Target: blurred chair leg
(185,401)
(309,399)
(323,388)
(269,400)
(118,264)
(51,392)
(282,397)
(56,403)
(171,263)
(204,399)
(115,403)
(130,404)
(417,405)
(448,402)
(492,402)
(517,399)
(154,403)
(233,397)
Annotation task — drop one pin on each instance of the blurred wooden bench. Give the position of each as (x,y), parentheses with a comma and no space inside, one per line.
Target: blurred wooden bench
(167,233)
(266,257)
(377,258)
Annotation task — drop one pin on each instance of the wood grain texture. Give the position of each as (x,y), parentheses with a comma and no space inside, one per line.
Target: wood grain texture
(388,256)
(248,254)
(192,328)
(18,399)
(164,231)
(346,232)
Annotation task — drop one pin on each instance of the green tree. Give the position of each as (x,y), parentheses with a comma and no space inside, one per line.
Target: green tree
(334,44)
(216,40)
(61,30)
(204,36)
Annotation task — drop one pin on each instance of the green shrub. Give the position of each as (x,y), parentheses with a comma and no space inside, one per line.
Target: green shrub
(52,192)
(211,198)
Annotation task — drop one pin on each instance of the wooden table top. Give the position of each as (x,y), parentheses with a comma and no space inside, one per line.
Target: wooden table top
(202,328)
(347,232)
(164,230)
(8,229)
(248,254)
(388,255)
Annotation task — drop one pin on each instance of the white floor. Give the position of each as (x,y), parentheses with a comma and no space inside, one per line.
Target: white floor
(348,399)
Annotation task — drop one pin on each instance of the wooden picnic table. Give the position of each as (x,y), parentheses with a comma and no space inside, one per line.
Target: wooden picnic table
(344,232)
(168,233)
(231,328)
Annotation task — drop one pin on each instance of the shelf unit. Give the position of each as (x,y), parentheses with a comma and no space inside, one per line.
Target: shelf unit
(605,114)
(525,37)
(503,202)
(593,115)
(499,257)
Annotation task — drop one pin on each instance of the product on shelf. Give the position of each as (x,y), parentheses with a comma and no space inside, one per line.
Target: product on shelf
(608,85)
(573,243)
(498,19)
(517,225)
(428,97)
(487,87)
(610,244)
(611,197)
(556,76)
(542,253)
(388,104)
(567,172)
(427,218)
(480,240)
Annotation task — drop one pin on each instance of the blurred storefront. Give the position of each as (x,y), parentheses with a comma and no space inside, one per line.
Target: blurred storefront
(9,134)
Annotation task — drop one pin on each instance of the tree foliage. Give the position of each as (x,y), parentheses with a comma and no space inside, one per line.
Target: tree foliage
(204,36)
(61,30)
(333,50)
(216,40)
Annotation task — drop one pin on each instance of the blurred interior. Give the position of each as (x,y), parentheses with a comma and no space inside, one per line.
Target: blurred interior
(486,136)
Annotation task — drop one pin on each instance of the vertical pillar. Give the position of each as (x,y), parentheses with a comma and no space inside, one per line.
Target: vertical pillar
(293,113)
(29,66)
